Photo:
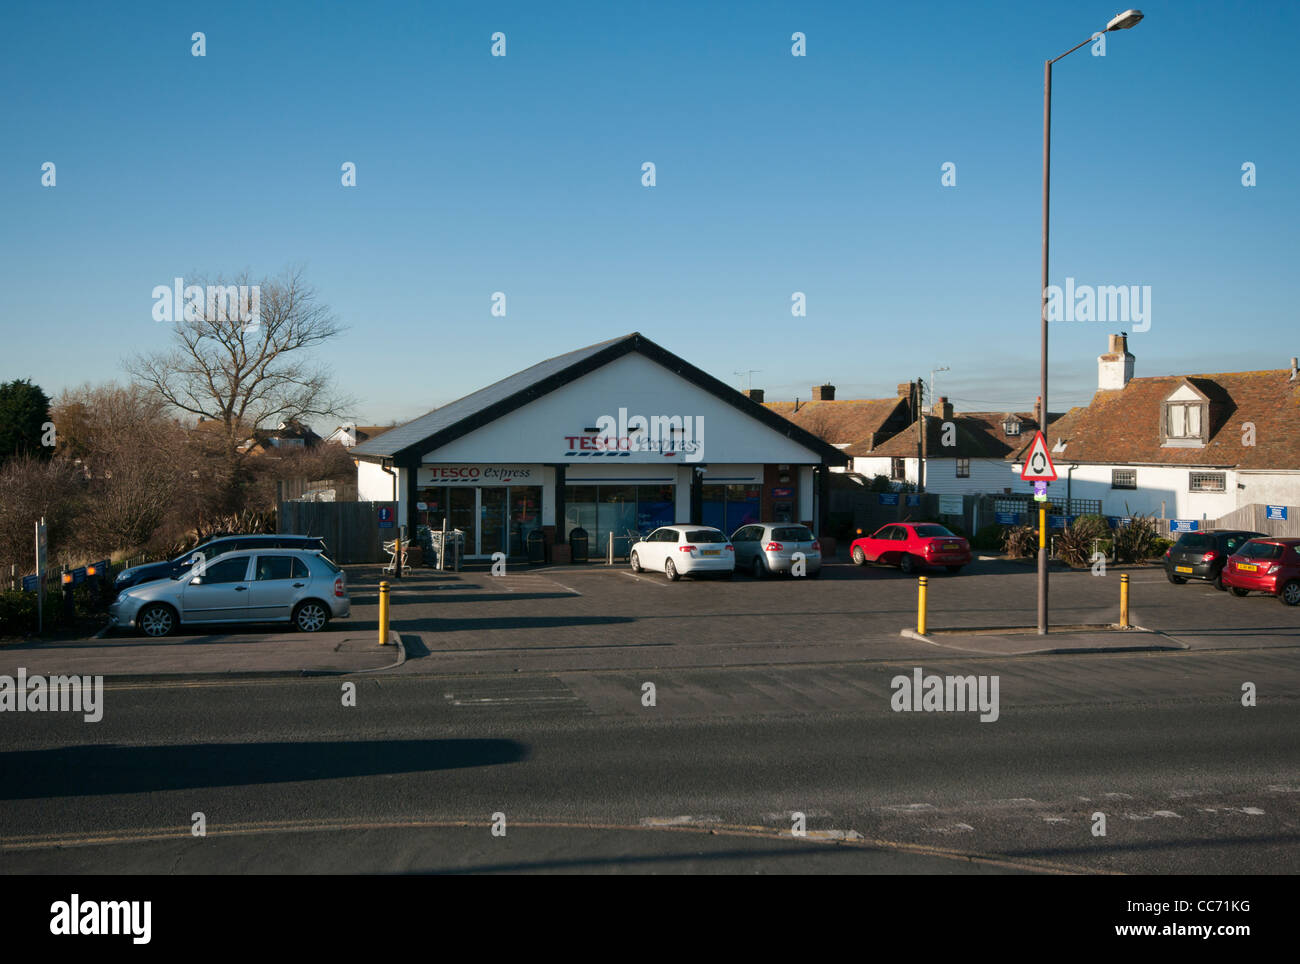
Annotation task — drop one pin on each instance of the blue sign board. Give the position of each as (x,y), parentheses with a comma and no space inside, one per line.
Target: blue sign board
(888,498)
(1184,525)
(1008,518)
(29,583)
(385,517)
(913,500)
(1275,513)
(1056,521)
(1115,521)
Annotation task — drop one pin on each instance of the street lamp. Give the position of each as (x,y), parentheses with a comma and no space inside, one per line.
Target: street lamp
(1123,21)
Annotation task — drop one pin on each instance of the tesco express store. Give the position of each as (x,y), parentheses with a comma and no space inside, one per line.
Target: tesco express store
(619,437)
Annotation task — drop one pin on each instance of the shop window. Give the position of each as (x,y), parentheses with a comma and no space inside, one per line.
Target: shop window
(728,507)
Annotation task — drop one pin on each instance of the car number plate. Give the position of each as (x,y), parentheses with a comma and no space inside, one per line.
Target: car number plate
(952,545)
(1247,567)
(1182,568)
(710,552)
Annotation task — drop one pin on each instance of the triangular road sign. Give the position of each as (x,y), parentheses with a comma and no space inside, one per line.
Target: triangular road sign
(1038,465)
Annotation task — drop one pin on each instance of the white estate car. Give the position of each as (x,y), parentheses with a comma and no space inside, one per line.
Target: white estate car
(680,550)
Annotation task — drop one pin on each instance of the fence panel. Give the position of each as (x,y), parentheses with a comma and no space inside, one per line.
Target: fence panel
(350,529)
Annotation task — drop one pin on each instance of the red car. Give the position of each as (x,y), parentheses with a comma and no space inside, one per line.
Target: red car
(911,545)
(1270,565)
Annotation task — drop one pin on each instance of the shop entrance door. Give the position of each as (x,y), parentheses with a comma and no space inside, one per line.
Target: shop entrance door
(461,514)
(492,518)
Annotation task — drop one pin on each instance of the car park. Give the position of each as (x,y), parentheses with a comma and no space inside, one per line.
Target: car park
(1202,555)
(765,548)
(684,550)
(1266,564)
(170,569)
(912,546)
(295,586)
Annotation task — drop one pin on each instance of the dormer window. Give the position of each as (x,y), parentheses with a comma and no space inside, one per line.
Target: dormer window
(1011,426)
(1185,419)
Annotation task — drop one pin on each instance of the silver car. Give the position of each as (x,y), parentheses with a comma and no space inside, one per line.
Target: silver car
(768,547)
(292,586)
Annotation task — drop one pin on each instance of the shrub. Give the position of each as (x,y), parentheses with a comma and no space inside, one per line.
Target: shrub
(1018,542)
(1137,541)
(1075,545)
(18,612)
(989,537)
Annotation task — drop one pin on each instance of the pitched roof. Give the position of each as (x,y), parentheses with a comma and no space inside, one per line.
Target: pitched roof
(850,421)
(1123,426)
(978,435)
(406,444)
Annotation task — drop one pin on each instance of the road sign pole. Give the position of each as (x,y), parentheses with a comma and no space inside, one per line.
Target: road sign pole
(1042,570)
(1038,468)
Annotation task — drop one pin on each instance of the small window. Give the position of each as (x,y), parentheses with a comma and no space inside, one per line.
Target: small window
(1207,482)
(1123,478)
(226,571)
(963,468)
(897,470)
(1184,420)
(274,567)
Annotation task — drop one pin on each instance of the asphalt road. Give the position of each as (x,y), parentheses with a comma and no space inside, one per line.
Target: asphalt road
(589,779)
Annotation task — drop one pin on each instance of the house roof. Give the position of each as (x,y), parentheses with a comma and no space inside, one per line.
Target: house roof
(406,444)
(978,435)
(1123,426)
(850,421)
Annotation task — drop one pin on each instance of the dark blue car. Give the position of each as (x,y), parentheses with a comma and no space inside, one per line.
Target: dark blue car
(171,569)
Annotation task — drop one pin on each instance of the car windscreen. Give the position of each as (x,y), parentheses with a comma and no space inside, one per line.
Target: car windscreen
(792,534)
(705,535)
(933,532)
(1261,550)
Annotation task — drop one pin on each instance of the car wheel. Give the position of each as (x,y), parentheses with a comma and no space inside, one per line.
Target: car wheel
(907,564)
(635,563)
(953,570)
(1218,581)
(1238,591)
(759,569)
(311,616)
(1290,594)
(859,557)
(1176,580)
(671,571)
(157,619)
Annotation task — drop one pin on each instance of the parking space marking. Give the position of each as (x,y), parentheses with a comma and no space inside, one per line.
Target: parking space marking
(633,575)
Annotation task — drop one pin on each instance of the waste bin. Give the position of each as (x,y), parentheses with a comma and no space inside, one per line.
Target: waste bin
(536,545)
(578,544)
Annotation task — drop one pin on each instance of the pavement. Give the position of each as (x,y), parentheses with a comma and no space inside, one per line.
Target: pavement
(344,652)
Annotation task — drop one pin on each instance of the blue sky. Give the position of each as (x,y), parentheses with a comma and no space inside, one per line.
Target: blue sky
(775,174)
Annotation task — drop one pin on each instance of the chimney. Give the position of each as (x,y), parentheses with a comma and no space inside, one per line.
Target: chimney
(823,393)
(942,408)
(1115,368)
(1293,368)
(755,395)
(1038,404)
(904,390)
(796,403)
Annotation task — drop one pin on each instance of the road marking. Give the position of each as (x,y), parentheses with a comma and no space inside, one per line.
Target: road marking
(633,575)
(105,838)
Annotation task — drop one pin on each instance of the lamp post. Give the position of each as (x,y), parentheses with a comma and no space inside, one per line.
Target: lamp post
(1123,21)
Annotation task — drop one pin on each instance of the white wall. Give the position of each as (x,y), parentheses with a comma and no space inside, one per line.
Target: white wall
(1156,484)
(1269,488)
(374,484)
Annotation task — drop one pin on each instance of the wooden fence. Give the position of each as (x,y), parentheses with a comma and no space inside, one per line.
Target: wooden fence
(350,529)
(1254,518)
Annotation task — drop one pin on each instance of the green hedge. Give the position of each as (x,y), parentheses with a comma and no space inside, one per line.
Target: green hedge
(18,612)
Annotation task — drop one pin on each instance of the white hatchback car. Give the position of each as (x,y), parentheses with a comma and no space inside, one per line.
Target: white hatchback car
(261,586)
(681,550)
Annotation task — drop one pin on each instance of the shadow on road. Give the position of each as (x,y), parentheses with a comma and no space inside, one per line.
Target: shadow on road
(112,769)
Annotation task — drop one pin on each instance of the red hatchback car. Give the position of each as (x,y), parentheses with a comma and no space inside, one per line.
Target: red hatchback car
(1267,564)
(911,545)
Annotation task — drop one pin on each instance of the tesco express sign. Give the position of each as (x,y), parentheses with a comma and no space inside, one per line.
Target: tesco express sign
(479,475)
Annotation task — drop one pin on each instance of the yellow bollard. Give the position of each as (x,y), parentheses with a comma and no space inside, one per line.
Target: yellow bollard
(383,613)
(1123,601)
(1042,527)
(920,605)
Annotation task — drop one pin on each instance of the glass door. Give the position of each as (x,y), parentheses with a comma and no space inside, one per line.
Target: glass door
(461,515)
(492,519)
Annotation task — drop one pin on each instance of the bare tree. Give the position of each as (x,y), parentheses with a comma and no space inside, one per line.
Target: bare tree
(243,375)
